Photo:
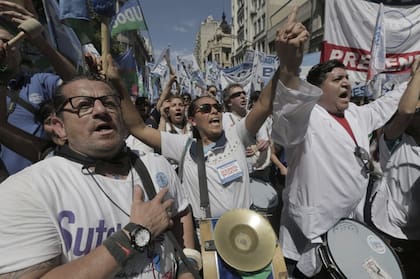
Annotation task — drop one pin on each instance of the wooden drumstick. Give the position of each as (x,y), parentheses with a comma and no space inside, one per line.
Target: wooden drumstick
(29,28)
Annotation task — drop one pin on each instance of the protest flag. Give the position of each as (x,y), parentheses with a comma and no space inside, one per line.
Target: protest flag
(129,70)
(129,17)
(161,65)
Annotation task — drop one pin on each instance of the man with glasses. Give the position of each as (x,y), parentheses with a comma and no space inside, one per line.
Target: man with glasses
(325,137)
(258,153)
(84,213)
(235,101)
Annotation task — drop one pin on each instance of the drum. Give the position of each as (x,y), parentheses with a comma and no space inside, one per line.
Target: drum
(351,250)
(264,196)
(245,237)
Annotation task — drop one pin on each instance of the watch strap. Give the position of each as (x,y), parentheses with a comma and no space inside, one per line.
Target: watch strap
(132,226)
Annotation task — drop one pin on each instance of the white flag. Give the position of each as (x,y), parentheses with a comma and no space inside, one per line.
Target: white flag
(378,49)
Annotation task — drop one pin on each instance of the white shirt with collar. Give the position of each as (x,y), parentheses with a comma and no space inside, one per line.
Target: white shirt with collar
(325,181)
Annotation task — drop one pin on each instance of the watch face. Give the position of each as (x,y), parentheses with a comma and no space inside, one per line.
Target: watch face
(142,237)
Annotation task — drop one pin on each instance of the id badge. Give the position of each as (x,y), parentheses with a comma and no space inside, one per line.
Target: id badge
(229,171)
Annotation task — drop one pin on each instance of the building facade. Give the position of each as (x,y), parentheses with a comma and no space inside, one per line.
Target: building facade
(255,23)
(205,33)
(219,47)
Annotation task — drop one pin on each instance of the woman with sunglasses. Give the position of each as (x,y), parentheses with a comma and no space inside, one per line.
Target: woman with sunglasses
(226,169)
(395,208)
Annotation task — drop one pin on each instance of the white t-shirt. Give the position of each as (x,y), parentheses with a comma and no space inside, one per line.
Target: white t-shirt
(55,207)
(225,191)
(135,144)
(396,206)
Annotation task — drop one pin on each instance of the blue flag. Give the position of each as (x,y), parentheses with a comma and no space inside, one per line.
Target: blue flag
(61,36)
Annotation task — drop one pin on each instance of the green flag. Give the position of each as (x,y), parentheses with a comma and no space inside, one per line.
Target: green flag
(129,17)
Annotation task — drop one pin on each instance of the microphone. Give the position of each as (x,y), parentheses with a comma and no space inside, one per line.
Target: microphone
(29,28)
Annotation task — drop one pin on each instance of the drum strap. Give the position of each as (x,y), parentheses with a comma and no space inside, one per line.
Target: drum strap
(151,193)
(202,180)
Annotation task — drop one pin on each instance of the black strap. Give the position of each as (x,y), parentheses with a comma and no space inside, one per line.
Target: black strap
(119,164)
(151,193)
(202,180)
(3,171)
(16,99)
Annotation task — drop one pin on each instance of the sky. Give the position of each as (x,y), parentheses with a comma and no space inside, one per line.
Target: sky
(176,22)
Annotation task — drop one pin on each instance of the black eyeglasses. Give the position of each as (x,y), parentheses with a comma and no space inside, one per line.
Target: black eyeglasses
(237,94)
(83,105)
(206,108)
(364,159)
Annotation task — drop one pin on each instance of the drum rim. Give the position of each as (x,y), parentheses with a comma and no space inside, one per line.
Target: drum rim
(325,244)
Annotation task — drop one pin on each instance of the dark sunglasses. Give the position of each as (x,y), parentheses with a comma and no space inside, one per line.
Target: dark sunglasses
(237,94)
(364,159)
(206,108)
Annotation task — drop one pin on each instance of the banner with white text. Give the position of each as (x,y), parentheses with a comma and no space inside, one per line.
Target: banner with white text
(349,29)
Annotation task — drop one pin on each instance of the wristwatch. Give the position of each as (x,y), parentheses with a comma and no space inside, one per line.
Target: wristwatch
(139,236)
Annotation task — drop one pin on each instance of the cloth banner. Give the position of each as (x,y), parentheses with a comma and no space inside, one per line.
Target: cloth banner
(241,74)
(129,71)
(62,37)
(349,29)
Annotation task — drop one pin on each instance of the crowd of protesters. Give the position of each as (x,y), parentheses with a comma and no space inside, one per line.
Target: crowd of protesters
(78,156)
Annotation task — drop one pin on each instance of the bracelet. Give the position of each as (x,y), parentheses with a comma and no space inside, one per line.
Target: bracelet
(182,268)
(119,247)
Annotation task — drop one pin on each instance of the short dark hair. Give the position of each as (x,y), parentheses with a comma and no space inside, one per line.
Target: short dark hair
(142,101)
(226,94)
(46,109)
(318,73)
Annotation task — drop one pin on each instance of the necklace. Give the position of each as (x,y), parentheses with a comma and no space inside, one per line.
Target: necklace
(106,194)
